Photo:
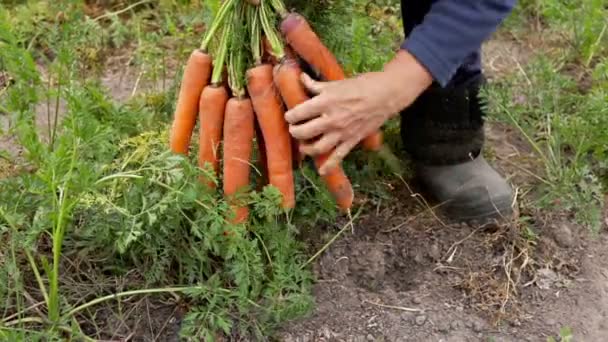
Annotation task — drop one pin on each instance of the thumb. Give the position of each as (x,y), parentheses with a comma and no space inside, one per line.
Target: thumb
(311,85)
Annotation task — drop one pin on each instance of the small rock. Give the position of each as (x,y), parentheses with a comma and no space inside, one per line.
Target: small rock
(455,325)
(327,333)
(370,337)
(417,300)
(420,320)
(546,278)
(460,308)
(434,252)
(443,327)
(562,234)
(550,322)
(477,327)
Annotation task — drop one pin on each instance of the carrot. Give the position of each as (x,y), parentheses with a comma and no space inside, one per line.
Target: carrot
(238,147)
(287,79)
(307,44)
(212,108)
(270,114)
(195,79)
(373,142)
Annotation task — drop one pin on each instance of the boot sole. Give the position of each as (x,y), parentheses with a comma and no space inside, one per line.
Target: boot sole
(502,211)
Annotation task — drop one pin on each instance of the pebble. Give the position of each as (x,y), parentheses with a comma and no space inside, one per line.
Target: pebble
(443,327)
(477,327)
(456,325)
(370,337)
(417,300)
(420,320)
(563,235)
(434,252)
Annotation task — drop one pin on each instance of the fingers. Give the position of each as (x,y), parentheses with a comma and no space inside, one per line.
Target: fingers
(311,85)
(311,129)
(323,145)
(338,155)
(307,110)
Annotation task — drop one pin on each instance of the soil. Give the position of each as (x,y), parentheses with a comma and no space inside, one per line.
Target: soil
(406,277)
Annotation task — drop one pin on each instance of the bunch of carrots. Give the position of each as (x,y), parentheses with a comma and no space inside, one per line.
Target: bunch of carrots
(239,84)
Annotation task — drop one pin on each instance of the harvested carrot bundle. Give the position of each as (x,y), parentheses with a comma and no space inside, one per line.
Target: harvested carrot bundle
(240,94)
(287,75)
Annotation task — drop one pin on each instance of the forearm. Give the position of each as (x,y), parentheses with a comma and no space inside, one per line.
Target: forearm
(452,30)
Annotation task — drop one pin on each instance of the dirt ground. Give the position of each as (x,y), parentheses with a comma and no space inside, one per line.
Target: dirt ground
(400,277)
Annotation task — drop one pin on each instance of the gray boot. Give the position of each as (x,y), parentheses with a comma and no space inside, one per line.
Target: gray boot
(469,191)
(443,133)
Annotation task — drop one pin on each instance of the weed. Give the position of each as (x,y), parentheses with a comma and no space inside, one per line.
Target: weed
(561,124)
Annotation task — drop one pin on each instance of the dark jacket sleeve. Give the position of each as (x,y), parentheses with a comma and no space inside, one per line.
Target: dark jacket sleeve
(452,30)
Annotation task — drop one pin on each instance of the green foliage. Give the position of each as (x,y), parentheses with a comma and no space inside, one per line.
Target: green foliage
(585,22)
(565,128)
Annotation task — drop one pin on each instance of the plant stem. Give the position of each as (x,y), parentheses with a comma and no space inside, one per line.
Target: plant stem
(58,234)
(276,45)
(126,294)
(236,57)
(32,262)
(215,25)
(256,35)
(56,117)
(220,59)
(279,7)
(348,225)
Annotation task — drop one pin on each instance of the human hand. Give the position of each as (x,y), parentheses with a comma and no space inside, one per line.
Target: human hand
(345,112)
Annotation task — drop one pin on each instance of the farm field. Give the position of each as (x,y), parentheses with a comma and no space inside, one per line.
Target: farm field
(105,235)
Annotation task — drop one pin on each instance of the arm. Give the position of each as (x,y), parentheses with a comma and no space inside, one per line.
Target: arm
(452,30)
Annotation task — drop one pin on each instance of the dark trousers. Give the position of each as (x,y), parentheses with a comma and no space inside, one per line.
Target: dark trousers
(445,124)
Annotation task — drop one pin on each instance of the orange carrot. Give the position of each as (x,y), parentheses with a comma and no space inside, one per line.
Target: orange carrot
(287,79)
(195,79)
(211,112)
(238,147)
(307,44)
(270,114)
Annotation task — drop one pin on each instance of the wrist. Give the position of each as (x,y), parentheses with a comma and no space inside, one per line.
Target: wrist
(407,77)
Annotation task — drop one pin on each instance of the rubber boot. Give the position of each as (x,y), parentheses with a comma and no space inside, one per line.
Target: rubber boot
(443,133)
